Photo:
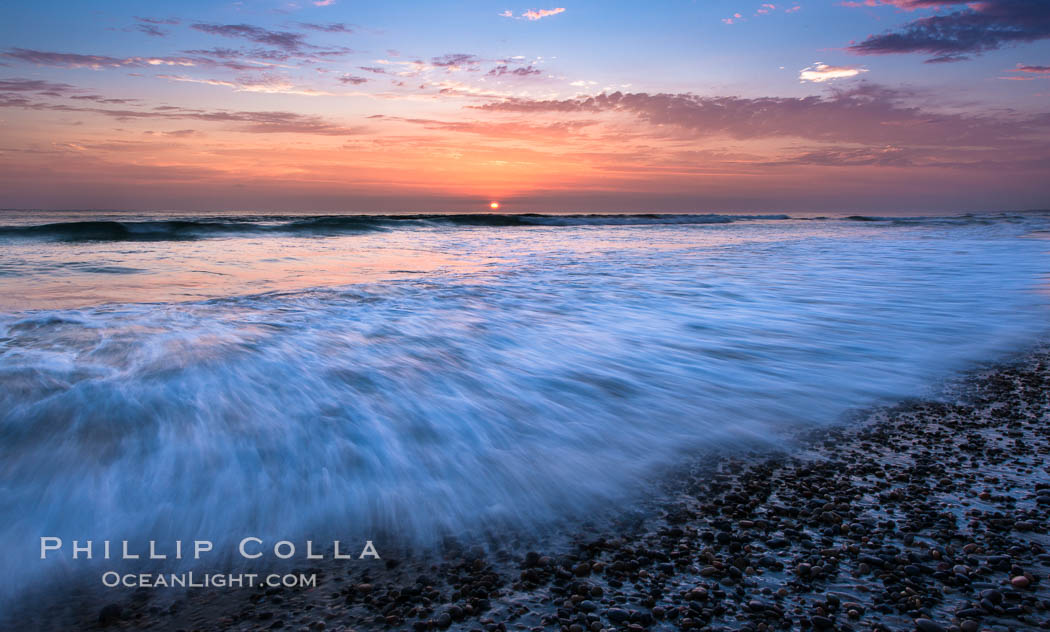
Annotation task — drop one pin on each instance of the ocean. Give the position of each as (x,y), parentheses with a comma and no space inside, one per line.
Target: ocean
(412,378)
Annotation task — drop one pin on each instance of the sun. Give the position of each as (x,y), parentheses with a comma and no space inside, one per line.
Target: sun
(494,205)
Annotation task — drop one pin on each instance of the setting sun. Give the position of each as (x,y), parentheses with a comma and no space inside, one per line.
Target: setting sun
(494,205)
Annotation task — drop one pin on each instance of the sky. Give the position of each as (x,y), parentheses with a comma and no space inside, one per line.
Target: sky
(575,105)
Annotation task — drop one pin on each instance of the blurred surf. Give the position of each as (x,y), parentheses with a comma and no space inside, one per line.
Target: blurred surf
(529,378)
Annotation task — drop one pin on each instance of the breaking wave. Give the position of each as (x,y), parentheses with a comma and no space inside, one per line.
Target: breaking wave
(175,230)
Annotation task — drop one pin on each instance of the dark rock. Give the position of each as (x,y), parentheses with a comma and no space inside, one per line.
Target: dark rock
(925,625)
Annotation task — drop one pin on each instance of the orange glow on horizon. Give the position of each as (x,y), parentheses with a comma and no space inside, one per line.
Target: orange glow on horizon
(494,206)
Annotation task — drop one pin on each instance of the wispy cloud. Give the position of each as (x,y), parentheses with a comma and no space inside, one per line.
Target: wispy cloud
(533,14)
(169,21)
(67,60)
(33,85)
(258,122)
(98,98)
(837,156)
(539,14)
(323,3)
(150,29)
(95,62)
(513,129)
(766,8)
(285,40)
(820,72)
(455,61)
(334,27)
(265,85)
(975,27)
(214,58)
(906,5)
(1028,73)
(520,71)
(867,114)
(151,26)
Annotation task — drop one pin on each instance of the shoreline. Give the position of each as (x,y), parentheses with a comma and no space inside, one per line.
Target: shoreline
(925,515)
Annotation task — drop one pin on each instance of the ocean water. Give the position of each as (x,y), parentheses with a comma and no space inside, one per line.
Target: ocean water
(414,377)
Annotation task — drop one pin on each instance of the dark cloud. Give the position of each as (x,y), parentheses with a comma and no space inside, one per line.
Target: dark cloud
(227,53)
(285,40)
(255,55)
(33,85)
(270,122)
(15,101)
(331,52)
(867,114)
(241,59)
(974,28)
(169,21)
(241,53)
(335,27)
(151,26)
(520,71)
(267,122)
(907,5)
(98,98)
(212,58)
(149,29)
(455,60)
(76,60)
(70,60)
(351,79)
(374,69)
(1027,72)
(850,157)
(946,59)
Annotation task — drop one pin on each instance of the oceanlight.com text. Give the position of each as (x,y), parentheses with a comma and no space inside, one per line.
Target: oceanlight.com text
(113,579)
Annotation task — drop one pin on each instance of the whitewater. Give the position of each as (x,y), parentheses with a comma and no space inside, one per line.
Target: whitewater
(413,378)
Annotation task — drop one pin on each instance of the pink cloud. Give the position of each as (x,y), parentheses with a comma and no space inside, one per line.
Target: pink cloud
(1029,73)
(820,72)
(864,114)
(906,5)
(539,14)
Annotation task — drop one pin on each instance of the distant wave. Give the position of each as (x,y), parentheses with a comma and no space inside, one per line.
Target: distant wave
(175,230)
(947,220)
